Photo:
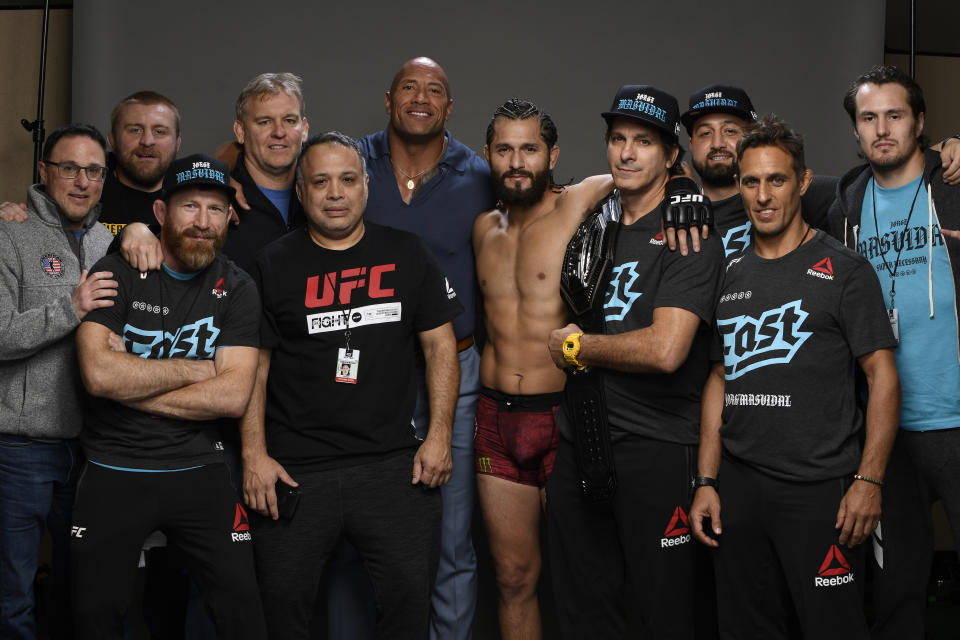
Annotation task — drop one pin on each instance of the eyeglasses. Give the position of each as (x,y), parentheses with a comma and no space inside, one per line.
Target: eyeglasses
(70,170)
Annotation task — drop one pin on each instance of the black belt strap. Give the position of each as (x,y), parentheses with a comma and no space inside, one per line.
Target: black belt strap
(585,272)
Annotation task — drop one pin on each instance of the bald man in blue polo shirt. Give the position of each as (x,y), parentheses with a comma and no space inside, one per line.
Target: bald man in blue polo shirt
(424,181)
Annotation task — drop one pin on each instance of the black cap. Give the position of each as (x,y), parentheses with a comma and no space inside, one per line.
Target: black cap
(647,104)
(197,170)
(718,98)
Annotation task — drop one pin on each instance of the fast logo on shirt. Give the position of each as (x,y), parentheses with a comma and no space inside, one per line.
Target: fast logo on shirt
(620,294)
(338,286)
(195,340)
(736,239)
(750,343)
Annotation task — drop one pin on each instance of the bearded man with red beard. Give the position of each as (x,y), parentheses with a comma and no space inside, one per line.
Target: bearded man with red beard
(173,360)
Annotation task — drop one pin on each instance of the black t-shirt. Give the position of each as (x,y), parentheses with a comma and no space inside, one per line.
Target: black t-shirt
(791,329)
(730,218)
(122,205)
(647,275)
(168,315)
(384,290)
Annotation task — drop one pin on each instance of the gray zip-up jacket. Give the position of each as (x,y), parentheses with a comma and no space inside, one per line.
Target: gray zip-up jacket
(40,264)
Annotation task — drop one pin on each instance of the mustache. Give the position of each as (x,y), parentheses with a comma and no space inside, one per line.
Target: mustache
(516,173)
(197,233)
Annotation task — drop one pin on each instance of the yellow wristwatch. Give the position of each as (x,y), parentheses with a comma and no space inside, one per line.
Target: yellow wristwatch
(571,349)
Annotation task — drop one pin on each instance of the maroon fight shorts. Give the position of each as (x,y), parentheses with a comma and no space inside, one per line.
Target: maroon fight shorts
(516,436)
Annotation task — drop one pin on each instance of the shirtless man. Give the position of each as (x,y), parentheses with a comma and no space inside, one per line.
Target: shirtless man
(519,248)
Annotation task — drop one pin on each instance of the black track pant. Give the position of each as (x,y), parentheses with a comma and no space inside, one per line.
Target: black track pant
(393,525)
(780,571)
(922,468)
(629,563)
(197,510)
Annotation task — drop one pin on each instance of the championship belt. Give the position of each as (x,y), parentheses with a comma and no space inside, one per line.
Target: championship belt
(583,280)
(587,261)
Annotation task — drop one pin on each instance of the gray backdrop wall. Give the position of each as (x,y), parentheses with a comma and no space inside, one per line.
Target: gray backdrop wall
(794,58)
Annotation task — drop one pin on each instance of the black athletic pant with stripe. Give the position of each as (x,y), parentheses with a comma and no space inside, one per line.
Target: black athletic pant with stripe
(629,568)
(197,510)
(781,573)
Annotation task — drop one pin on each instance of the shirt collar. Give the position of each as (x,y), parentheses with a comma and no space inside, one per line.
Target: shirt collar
(455,156)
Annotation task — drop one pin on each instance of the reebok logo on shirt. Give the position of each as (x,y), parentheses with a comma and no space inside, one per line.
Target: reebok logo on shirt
(834,570)
(218,289)
(823,269)
(677,531)
(241,526)
(657,239)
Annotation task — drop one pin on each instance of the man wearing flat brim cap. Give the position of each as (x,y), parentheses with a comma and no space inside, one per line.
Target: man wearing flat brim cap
(718,98)
(197,170)
(717,118)
(636,361)
(172,361)
(646,104)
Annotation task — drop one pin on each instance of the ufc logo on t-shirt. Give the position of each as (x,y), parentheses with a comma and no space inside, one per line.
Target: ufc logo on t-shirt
(341,285)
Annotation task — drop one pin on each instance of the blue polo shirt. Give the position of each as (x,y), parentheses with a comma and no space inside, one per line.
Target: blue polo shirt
(441,212)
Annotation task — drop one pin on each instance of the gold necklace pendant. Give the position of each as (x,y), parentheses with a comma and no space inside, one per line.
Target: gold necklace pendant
(410,178)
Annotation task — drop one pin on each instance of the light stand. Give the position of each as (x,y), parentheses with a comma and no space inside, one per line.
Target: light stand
(39,133)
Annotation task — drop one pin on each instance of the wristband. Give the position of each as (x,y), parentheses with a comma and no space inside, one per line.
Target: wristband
(857,476)
(704,481)
(571,349)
